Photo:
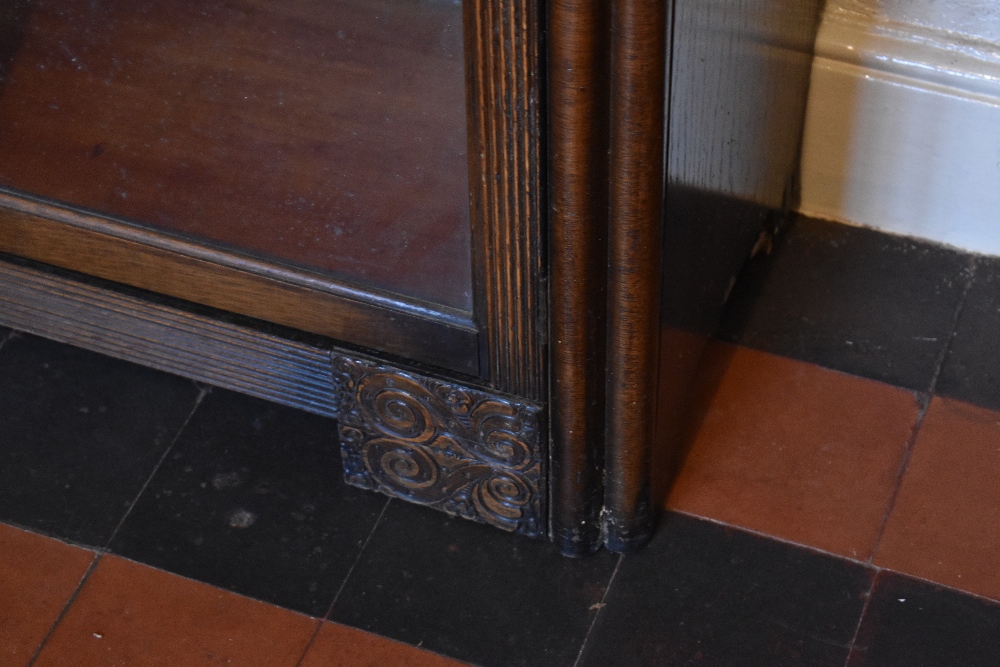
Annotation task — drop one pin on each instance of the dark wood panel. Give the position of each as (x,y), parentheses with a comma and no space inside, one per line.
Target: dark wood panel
(192,345)
(96,246)
(638,80)
(578,141)
(739,85)
(503,40)
(329,135)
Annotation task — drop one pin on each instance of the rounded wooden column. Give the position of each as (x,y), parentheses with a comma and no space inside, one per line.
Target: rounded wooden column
(578,144)
(636,191)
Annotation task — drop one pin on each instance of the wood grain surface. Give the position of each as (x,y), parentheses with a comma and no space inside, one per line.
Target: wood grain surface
(578,141)
(739,85)
(638,80)
(507,150)
(148,260)
(194,345)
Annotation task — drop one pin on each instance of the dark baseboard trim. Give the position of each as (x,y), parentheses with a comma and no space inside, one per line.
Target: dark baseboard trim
(160,336)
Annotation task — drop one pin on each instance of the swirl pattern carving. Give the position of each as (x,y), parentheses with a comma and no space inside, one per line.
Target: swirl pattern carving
(465,451)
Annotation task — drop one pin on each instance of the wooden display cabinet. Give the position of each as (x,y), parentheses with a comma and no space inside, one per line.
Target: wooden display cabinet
(437,221)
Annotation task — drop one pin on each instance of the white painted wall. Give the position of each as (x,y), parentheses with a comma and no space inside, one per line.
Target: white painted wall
(903,120)
(969,18)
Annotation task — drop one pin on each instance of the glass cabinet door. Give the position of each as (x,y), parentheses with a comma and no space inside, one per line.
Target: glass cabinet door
(324,135)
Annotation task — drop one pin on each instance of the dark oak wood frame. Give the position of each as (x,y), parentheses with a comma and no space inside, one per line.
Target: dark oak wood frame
(607,95)
(505,119)
(478,381)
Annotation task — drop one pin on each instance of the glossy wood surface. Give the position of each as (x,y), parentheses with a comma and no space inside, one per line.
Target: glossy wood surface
(638,79)
(329,135)
(119,252)
(578,89)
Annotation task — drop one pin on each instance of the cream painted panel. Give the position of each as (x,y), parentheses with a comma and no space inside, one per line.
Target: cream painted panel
(903,120)
(885,151)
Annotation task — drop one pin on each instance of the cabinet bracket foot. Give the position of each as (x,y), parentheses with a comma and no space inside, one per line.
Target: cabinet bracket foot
(465,451)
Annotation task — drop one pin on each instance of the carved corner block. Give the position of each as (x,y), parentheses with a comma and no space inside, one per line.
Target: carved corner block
(464,451)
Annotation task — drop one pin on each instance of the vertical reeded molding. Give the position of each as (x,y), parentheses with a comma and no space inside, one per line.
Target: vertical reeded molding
(503,44)
(638,79)
(578,145)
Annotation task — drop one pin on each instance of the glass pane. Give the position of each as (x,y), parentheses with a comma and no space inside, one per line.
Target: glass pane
(325,134)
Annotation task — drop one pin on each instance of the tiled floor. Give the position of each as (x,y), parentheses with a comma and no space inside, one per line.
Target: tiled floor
(837,505)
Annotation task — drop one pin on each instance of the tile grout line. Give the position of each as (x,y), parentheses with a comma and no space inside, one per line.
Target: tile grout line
(41,532)
(946,350)
(861,618)
(607,589)
(309,644)
(343,584)
(876,569)
(357,559)
(925,402)
(204,391)
(937,584)
(925,399)
(65,610)
(773,538)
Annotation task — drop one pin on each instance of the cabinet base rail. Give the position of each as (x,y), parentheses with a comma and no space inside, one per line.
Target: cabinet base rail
(467,451)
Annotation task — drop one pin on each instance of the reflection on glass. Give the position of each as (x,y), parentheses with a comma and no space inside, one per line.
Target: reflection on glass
(326,134)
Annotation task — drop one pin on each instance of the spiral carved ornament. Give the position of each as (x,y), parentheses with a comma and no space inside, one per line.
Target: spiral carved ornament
(462,450)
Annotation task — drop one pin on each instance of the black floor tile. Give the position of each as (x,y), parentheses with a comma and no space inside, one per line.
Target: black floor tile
(251,499)
(704,594)
(81,435)
(851,299)
(910,623)
(971,372)
(472,592)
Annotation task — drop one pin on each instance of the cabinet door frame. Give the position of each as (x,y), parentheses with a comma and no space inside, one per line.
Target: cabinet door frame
(601,107)
(499,344)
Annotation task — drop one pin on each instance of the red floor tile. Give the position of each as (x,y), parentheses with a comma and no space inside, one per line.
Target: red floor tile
(37,578)
(945,525)
(342,646)
(795,451)
(130,614)
(680,355)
